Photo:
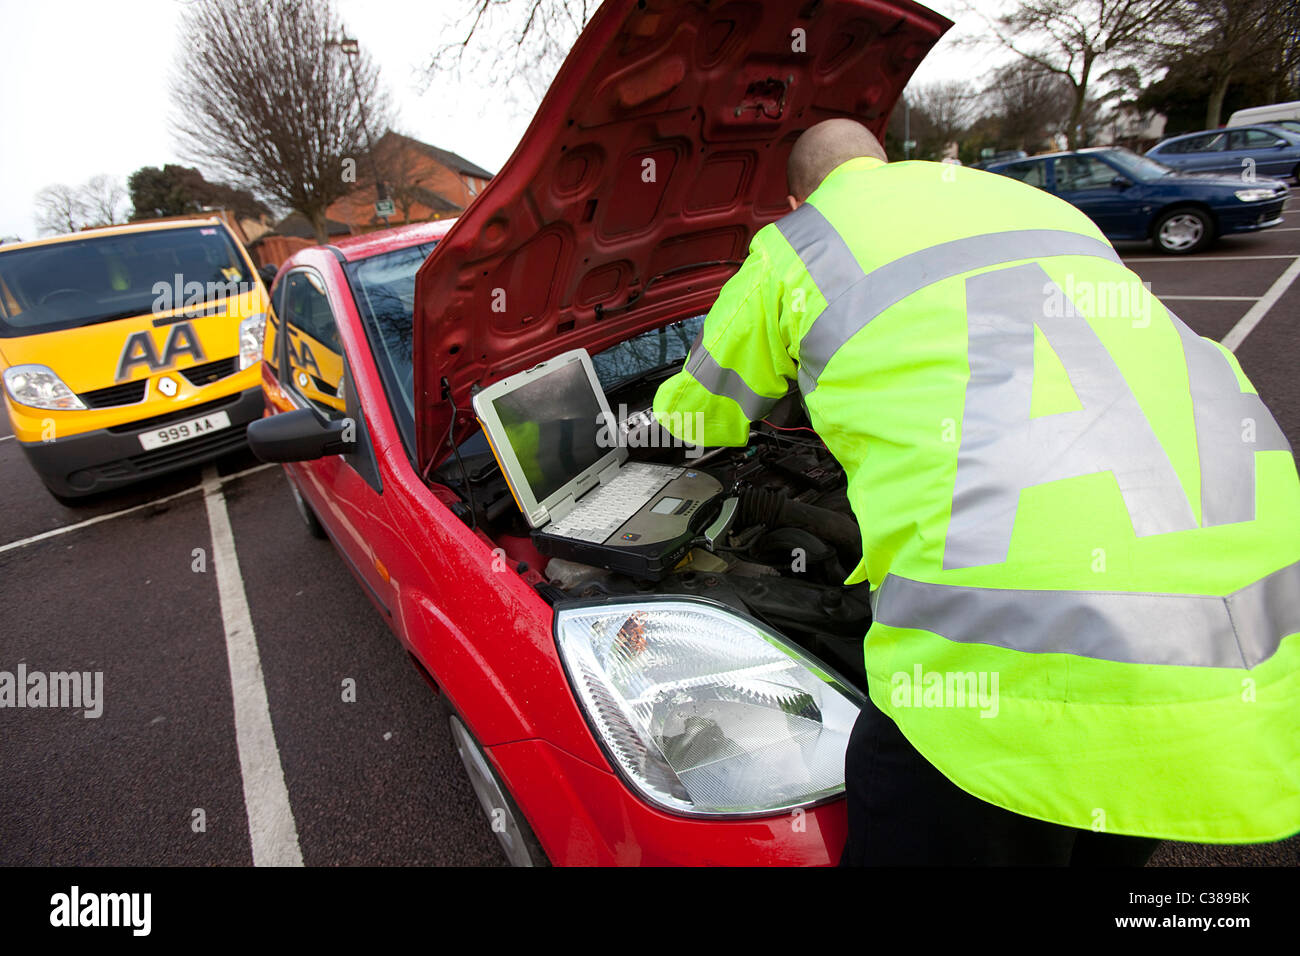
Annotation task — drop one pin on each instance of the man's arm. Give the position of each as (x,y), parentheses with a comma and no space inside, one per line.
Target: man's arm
(740,366)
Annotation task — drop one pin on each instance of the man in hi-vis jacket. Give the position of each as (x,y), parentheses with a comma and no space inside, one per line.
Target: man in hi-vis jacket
(1064,494)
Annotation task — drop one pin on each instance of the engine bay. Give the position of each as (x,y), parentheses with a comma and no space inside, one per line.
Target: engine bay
(790,543)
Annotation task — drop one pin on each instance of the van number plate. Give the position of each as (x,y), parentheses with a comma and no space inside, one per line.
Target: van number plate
(184,431)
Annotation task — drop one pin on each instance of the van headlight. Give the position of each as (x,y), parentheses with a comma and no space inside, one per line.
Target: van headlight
(36,386)
(251,332)
(705,712)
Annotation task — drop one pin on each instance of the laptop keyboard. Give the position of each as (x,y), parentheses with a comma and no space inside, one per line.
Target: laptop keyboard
(600,512)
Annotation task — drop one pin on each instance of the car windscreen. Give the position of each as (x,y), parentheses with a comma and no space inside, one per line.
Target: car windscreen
(81,282)
(644,358)
(1140,168)
(384,289)
(657,350)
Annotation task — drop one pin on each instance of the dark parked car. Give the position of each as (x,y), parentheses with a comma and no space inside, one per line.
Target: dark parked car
(1004,156)
(1270,149)
(1134,197)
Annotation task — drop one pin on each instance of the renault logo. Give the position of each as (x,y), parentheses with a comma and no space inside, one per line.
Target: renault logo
(167,385)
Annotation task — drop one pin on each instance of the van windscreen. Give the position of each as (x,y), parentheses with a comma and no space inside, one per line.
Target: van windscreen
(80,282)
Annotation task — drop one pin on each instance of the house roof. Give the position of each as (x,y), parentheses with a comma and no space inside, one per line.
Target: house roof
(434,201)
(453,161)
(296,224)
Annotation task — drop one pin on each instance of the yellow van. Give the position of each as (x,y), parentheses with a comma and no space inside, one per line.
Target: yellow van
(130,351)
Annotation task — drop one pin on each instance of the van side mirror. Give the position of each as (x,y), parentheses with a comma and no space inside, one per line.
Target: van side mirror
(299,435)
(267,272)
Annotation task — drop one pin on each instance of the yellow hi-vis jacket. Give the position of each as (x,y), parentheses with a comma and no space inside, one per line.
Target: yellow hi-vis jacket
(1080,522)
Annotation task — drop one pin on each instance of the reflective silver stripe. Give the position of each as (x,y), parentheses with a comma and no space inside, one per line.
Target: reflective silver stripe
(1231,425)
(866,295)
(822,250)
(1241,630)
(727,383)
(1003,450)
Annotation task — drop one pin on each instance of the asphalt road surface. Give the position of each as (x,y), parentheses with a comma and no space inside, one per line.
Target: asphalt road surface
(115,585)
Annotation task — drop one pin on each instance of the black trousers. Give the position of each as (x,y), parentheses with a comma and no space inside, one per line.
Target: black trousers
(904,812)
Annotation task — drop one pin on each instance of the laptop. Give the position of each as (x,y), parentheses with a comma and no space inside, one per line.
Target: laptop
(558,446)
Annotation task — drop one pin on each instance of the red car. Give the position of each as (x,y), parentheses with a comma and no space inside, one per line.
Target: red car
(693,716)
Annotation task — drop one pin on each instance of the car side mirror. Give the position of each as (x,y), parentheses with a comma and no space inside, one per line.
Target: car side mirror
(1119,182)
(299,435)
(267,272)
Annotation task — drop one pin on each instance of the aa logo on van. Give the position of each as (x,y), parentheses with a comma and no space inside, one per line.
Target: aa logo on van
(141,349)
(301,354)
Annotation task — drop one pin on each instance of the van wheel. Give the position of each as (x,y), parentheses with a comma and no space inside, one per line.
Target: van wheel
(1182,231)
(518,842)
(314,527)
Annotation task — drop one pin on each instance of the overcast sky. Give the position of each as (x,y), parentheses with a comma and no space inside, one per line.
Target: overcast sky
(84,88)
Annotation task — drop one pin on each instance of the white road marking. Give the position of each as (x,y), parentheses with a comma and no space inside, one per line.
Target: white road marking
(1210,298)
(5,437)
(1237,334)
(1204,258)
(271,827)
(55,532)
(247,471)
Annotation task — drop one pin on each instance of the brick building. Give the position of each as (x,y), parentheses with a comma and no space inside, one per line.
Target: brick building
(424,182)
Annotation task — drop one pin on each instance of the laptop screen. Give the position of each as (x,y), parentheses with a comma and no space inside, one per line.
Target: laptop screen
(552,425)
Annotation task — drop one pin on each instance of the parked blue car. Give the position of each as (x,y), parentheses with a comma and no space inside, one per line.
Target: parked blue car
(1134,197)
(1269,149)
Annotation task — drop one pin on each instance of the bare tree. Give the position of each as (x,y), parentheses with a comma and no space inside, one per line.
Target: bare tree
(948,107)
(1072,38)
(104,199)
(268,100)
(515,44)
(1030,104)
(60,209)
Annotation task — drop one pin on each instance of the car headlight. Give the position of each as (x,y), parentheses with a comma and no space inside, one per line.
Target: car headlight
(251,332)
(38,387)
(706,712)
(1254,195)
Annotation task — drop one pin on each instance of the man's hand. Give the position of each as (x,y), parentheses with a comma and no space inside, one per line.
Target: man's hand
(640,430)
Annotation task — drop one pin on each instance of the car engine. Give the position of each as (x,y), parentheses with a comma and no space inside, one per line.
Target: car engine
(790,545)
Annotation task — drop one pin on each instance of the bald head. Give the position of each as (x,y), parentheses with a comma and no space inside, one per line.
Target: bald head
(823,147)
